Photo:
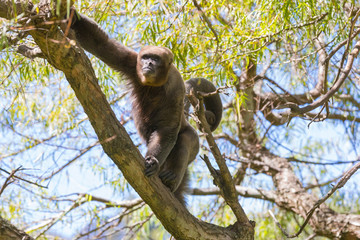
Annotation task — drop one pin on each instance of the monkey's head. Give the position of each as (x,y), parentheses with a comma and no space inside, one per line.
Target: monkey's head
(153,65)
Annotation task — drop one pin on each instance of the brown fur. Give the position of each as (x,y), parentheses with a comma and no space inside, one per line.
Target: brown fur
(158,93)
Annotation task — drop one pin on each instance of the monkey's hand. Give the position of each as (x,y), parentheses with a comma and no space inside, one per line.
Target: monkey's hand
(152,166)
(168,178)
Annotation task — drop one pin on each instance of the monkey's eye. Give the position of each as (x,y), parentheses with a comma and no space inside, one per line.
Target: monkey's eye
(151,57)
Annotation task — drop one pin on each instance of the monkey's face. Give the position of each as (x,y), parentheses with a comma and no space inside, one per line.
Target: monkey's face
(153,65)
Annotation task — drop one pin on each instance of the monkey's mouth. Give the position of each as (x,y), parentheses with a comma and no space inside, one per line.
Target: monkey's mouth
(148,71)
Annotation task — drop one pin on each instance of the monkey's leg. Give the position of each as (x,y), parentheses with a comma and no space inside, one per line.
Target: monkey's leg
(184,152)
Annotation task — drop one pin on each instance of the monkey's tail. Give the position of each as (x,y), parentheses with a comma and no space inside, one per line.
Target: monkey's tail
(213,104)
(183,187)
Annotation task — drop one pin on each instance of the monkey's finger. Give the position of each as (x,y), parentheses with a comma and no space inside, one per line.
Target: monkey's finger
(167,176)
(149,172)
(151,169)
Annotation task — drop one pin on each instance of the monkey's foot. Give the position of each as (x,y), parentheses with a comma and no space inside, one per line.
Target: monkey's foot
(168,178)
(151,166)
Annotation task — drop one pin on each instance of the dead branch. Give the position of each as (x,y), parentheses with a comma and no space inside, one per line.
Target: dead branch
(223,178)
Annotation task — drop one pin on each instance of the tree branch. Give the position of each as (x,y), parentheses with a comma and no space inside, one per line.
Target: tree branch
(224,178)
(30,52)
(346,176)
(292,196)
(9,231)
(242,191)
(117,143)
(270,101)
(10,9)
(8,179)
(344,73)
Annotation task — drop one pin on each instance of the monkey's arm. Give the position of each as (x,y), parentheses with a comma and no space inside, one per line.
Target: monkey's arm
(159,146)
(213,105)
(94,40)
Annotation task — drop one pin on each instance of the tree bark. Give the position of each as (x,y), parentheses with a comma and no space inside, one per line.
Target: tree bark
(289,194)
(10,232)
(117,143)
(292,196)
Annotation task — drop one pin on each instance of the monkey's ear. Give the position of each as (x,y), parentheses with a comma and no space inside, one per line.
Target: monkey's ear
(171,59)
(169,55)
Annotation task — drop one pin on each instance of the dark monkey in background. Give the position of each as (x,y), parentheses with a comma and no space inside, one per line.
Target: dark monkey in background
(158,93)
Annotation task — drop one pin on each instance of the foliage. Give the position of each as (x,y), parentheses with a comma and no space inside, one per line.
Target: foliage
(45,131)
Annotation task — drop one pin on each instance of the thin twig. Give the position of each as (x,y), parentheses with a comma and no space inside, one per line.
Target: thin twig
(22,179)
(9,180)
(209,24)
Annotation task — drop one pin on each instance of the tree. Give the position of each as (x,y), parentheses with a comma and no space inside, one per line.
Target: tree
(283,66)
